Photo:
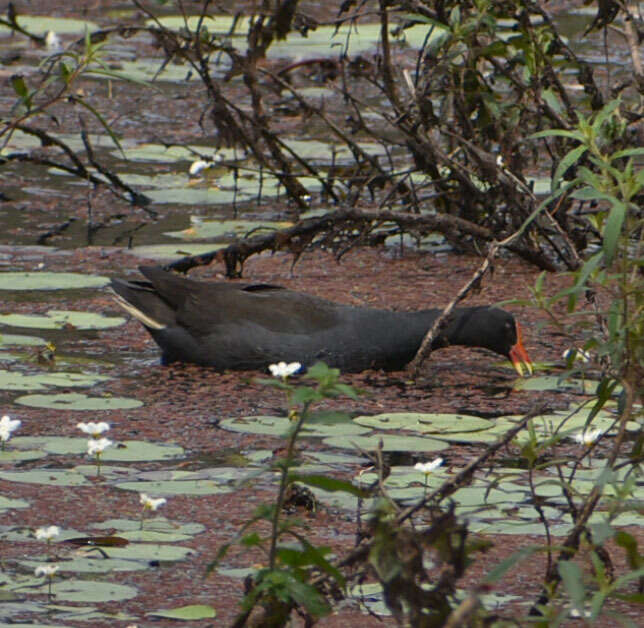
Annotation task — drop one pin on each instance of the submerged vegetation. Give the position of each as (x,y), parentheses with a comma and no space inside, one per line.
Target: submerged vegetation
(493,128)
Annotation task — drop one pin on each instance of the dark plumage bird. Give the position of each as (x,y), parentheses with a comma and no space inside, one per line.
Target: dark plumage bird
(249,326)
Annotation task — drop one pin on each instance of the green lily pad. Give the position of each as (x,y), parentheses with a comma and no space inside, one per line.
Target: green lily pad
(196,196)
(10,504)
(171,154)
(211,229)
(57,319)
(121,451)
(192,612)
(10,340)
(83,590)
(76,401)
(62,26)
(155,530)
(13,455)
(425,423)
(51,477)
(553,383)
(133,557)
(173,251)
(389,443)
(164,488)
(279,426)
(50,281)
(13,380)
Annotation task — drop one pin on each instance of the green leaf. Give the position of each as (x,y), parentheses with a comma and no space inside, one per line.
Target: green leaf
(604,113)
(552,100)
(192,612)
(568,160)
(103,122)
(575,135)
(572,579)
(20,87)
(627,152)
(328,484)
(612,230)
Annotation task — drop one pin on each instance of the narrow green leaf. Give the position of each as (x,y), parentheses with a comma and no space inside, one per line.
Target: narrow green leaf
(572,579)
(627,152)
(612,230)
(103,122)
(568,160)
(575,135)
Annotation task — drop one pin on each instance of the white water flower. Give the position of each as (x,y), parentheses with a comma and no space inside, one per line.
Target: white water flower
(577,354)
(47,533)
(588,437)
(150,503)
(428,467)
(46,570)
(93,429)
(282,369)
(8,425)
(52,41)
(96,447)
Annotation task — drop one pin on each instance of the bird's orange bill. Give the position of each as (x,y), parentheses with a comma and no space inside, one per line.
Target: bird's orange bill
(519,356)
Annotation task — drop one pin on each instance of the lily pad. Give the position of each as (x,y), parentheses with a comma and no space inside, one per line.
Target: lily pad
(10,504)
(211,229)
(171,154)
(173,251)
(553,383)
(279,426)
(14,455)
(50,281)
(10,340)
(121,451)
(425,423)
(133,557)
(192,612)
(13,380)
(59,319)
(83,590)
(41,24)
(155,530)
(389,443)
(76,401)
(51,477)
(176,487)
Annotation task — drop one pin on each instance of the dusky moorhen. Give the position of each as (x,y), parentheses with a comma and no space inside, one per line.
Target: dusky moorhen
(249,326)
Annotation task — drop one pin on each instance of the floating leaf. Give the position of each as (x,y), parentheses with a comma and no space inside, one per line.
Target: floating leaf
(172,154)
(10,504)
(176,487)
(278,426)
(57,319)
(390,443)
(41,24)
(192,612)
(13,380)
(10,340)
(121,451)
(425,423)
(52,477)
(76,401)
(83,590)
(211,229)
(50,281)
(173,251)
